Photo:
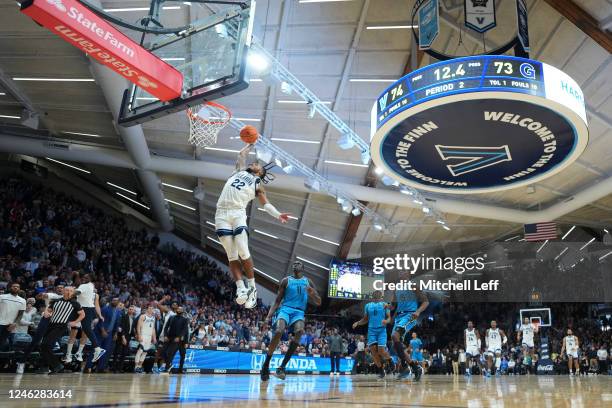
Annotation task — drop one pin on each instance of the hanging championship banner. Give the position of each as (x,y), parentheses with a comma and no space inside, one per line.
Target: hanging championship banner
(429,24)
(480,15)
(521,18)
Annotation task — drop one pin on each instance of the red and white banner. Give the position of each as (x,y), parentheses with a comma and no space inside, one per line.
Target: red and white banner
(100,40)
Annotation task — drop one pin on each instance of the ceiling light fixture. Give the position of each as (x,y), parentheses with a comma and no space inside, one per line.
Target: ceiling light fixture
(81,134)
(265,233)
(312,263)
(132,200)
(320,239)
(121,188)
(177,187)
(280,139)
(54,79)
(68,165)
(340,163)
(266,275)
(181,205)
(390,27)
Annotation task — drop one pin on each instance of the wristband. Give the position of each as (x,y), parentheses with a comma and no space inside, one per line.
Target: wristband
(269,208)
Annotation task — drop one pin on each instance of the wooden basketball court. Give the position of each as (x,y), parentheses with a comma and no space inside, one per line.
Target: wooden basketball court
(131,390)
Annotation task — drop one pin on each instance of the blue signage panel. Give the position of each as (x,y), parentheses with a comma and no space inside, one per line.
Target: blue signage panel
(245,361)
(429,24)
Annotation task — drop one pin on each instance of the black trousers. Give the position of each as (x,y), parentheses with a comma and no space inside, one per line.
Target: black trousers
(38,335)
(171,351)
(119,354)
(335,361)
(90,315)
(4,334)
(54,332)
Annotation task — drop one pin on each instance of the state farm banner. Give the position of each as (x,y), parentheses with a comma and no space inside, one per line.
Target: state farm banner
(97,38)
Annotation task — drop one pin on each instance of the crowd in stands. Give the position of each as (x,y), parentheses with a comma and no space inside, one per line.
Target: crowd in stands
(49,240)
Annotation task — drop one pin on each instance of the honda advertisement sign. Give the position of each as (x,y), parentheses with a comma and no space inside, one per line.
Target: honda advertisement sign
(97,38)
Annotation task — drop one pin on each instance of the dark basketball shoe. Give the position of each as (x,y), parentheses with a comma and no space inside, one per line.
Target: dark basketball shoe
(280,373)
(264,374)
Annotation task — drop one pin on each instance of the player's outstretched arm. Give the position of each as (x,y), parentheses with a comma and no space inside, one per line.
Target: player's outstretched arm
(279,298)
(424,303)
(504,337)
(364,320)
(313,294)
(269,208)
(242,157)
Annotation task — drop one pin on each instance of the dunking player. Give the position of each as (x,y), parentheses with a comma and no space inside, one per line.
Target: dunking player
(292,298)
(527,333)
(494,342)
(376,315)
(231,221)
(407,312)
(472,346)
(570,346)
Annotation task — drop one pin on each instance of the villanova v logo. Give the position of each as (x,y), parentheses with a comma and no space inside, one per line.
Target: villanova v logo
(472,158)
(382,102)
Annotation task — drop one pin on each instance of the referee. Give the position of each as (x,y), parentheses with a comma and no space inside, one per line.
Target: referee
(61,312)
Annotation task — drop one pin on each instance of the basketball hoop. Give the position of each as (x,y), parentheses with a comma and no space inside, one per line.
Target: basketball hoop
(205,122)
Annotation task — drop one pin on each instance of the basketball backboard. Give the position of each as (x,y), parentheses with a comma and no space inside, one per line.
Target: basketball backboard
(211,55)
(541,317)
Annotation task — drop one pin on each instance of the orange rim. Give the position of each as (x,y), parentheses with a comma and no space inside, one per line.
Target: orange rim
(194,116)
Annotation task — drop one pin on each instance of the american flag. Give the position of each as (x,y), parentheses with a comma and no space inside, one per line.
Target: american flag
(540,231)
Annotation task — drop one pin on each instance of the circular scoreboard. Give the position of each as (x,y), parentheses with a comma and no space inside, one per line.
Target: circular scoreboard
(478,124)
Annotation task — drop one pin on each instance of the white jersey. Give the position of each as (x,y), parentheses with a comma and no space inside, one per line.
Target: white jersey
(528,331)
(494,339)
(147,328)
(470,338)
(87,297)
(471,342)
(238,191)
(571,344)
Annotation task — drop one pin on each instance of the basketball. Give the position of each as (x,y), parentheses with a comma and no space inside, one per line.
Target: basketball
(249,134)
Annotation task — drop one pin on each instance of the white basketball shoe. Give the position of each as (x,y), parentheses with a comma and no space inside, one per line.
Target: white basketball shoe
(242,295)
(252,299)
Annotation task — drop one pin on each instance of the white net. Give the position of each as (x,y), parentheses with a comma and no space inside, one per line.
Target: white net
(205,123)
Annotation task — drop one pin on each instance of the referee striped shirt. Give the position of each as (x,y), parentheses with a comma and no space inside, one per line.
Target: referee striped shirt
(64,310)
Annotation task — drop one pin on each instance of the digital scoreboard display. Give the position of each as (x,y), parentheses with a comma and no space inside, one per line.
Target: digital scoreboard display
(478,124)
(462,75)
(349,280)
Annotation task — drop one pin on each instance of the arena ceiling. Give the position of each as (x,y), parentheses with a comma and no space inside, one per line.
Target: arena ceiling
(337,49)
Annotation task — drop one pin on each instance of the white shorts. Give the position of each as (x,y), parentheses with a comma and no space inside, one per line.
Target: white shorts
(472,351)
(573,354)
(146,341)
(528,344)
(230,222)
(492,351)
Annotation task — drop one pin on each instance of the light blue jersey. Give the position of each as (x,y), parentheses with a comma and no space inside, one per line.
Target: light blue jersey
(416,345)
(377,332)
(295,300)
(296,295)
(376,313)
(407,304)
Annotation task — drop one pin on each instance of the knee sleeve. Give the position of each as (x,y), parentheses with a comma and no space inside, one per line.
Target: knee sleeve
(241,242)
(230,248)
